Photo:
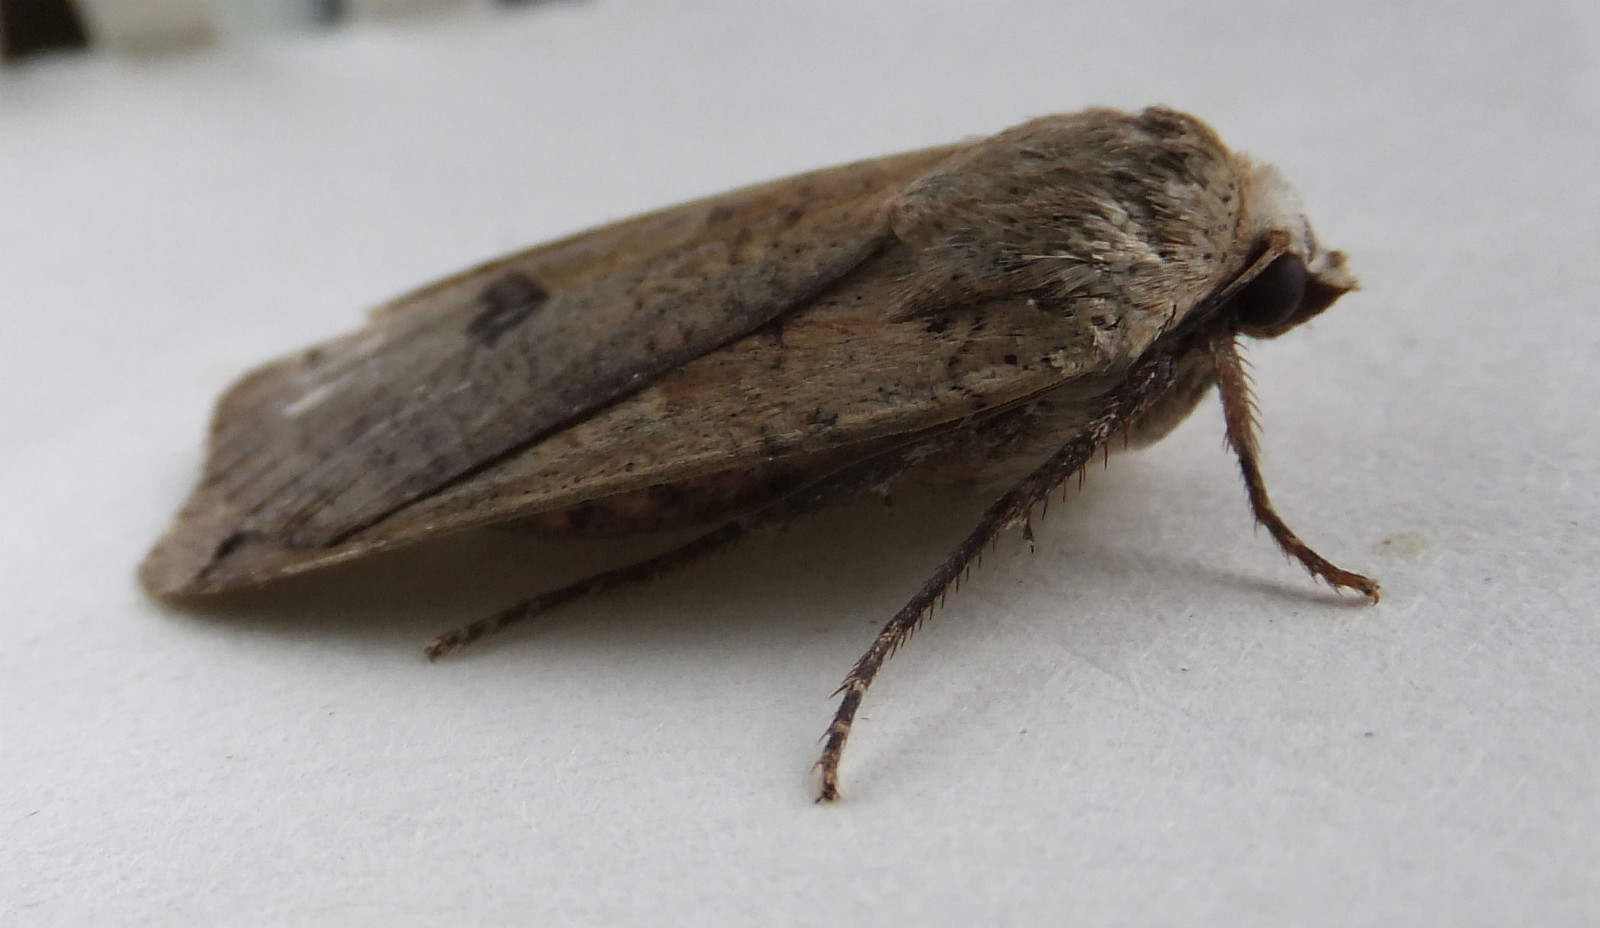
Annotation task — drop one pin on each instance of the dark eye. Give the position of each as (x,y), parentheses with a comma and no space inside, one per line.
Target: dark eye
(1274,295)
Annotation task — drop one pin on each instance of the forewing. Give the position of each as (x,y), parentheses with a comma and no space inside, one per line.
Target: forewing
(836,381)
(450,379)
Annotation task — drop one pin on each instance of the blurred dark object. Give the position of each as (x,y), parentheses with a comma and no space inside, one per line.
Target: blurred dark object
(30,26)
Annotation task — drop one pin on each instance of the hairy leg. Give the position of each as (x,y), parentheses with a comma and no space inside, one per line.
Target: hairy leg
(589,586)
(857,478)
(1239,410)
(1146,381)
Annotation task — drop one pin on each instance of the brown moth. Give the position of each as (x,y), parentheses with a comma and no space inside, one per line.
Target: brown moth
(986,313)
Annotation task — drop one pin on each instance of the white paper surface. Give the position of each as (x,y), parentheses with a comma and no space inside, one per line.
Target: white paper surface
(1153,720)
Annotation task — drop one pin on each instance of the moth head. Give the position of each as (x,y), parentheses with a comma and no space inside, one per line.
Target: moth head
(1302,280)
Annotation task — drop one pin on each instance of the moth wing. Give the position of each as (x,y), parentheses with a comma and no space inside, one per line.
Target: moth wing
(911,298)
(834,382)
(447,380)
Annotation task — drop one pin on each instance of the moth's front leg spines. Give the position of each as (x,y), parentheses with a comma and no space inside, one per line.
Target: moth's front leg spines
(1238,408)
(1146,381)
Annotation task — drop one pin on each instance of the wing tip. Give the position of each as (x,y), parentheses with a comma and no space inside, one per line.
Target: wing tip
(184,562)
(207,551)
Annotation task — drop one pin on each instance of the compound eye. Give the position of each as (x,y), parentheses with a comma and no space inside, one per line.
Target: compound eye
(1274,296)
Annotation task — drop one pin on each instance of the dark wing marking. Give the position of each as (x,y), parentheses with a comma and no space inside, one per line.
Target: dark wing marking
(452,378)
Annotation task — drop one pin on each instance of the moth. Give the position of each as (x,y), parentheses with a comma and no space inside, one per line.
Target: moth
(991,313)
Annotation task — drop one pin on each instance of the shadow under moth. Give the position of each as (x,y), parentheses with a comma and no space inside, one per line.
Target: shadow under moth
(985,314)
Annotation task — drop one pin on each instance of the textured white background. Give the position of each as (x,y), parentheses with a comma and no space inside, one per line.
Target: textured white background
(1153,720)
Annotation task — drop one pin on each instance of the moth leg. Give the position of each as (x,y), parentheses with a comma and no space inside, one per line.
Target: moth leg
(1233,383)
(589,586)
(1146,381)
(856,478)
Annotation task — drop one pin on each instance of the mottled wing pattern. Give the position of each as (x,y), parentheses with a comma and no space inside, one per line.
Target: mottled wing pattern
(313,449)
(834,380)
